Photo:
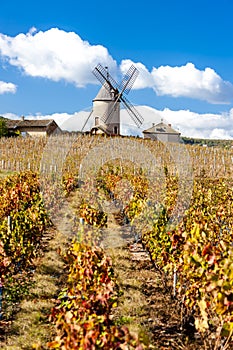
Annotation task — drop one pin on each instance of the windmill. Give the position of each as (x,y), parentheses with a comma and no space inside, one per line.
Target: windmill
(106,105)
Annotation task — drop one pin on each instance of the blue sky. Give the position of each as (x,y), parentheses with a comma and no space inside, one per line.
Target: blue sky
(183,50)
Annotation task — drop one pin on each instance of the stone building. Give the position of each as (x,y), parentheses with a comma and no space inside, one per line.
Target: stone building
(162,132)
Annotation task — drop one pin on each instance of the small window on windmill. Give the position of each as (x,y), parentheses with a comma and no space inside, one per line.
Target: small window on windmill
(97,120)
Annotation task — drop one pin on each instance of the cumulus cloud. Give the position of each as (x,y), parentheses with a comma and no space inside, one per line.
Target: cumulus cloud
(7,88)
(188,81)
(59,55)
(221,134)
(56,55)
(183,81)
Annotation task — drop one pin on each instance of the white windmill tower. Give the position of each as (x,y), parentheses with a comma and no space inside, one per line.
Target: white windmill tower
(106,105)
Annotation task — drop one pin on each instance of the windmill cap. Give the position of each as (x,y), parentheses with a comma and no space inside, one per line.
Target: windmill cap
(104,94)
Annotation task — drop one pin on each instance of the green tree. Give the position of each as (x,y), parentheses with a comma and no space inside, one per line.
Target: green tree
(3,127)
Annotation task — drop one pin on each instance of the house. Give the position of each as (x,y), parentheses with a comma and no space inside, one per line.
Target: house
(162,132)
(34,127)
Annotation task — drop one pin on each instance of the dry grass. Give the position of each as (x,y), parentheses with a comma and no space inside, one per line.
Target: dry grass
(4,173)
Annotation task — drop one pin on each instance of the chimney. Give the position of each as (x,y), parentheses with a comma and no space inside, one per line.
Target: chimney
(153,124)
(22,117)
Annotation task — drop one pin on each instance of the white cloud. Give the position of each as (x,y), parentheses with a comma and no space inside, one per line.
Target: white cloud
(59,55)
(220,134)
(188,81)
(56,55)
(183,81)
(7,88)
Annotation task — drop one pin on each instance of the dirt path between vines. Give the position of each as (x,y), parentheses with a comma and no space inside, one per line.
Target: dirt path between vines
(145,308)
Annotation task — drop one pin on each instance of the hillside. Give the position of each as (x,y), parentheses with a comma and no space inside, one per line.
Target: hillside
(139,253)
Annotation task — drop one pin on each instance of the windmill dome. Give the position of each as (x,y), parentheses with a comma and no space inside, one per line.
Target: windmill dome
(104,94)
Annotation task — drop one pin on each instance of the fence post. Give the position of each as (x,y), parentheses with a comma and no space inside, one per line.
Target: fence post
(174,282)
(9,221)
(1,297)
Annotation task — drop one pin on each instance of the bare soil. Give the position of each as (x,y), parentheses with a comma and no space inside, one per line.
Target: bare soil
(146,307)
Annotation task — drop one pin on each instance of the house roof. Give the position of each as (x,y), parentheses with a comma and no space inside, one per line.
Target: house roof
(161,128)
(24,123)
(100,127)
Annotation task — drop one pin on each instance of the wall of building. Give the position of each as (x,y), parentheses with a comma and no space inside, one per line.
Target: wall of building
(174,138)
(38,131)
(34,133)
(163,137)
(105,108)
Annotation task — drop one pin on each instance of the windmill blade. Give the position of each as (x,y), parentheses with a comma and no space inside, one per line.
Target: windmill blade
(108,115)
(104,77)
(134,114)
(86,121)
(129,79)
(126,86)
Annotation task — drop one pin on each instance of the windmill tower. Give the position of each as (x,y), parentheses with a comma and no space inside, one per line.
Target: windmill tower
(106,105)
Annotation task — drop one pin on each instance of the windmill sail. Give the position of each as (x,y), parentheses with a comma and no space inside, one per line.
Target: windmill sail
(106,106)
(104,77)
(86,121)
(134,114)
(129,80)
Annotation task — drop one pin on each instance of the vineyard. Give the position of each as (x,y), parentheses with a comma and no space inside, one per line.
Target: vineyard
(175,201)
